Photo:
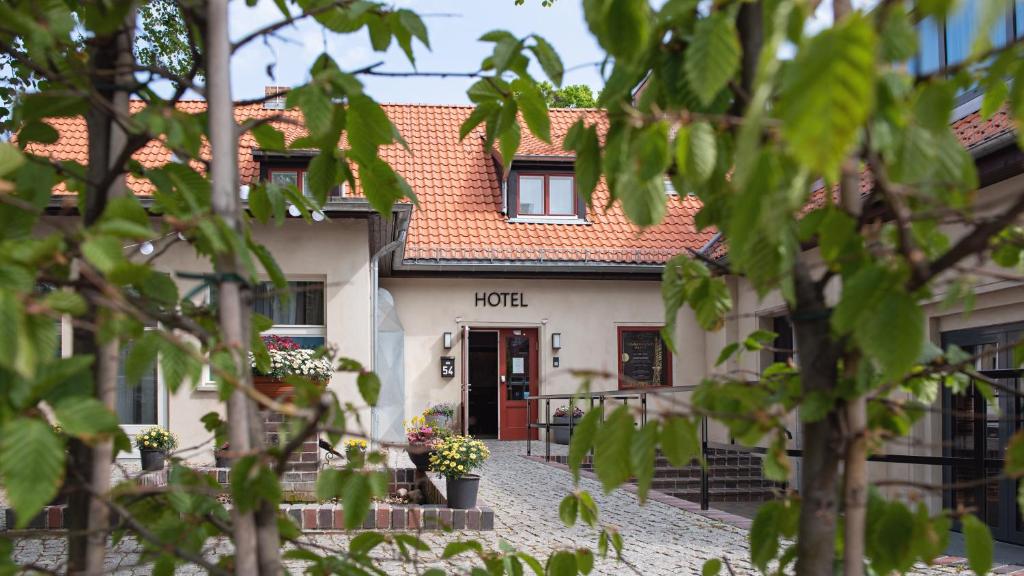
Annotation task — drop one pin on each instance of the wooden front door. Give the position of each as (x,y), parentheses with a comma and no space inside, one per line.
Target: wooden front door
(519,377)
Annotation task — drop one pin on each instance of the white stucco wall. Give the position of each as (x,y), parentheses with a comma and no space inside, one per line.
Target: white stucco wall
(334,251)
(585,312)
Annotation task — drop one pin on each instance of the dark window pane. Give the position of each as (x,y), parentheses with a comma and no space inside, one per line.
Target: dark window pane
(929,58)
(784,343)
(136,403)
(302,305)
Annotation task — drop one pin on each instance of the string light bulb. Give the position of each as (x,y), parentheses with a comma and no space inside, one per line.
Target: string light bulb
(146,248)
(294,211)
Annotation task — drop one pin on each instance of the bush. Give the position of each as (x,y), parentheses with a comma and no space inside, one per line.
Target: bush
(457,456)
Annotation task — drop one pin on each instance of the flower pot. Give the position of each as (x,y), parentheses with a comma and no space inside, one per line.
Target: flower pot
(560,434)
(152,459)
(462,491)
(439,421)
(420,457)
(272,386)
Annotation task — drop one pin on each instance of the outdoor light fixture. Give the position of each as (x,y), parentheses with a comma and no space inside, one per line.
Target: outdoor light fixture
(556,340)
(447,340)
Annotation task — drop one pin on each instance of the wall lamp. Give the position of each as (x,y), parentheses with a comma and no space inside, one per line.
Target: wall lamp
(447,340)
(556,340)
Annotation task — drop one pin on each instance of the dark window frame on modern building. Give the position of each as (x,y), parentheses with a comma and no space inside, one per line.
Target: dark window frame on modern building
(631,382)
(944,44)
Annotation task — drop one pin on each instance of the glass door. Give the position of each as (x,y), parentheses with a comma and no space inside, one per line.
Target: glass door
(518,381)
(977,431)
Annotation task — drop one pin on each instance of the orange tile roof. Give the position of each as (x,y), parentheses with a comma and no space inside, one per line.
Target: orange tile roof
(460,213)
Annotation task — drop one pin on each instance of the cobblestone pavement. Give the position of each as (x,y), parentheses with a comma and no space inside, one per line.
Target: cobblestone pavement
(659,539)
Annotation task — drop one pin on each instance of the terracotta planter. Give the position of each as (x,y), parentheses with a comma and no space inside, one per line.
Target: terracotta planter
(152,459)
(272,386)
(275,388)
(420,458)
(462,491)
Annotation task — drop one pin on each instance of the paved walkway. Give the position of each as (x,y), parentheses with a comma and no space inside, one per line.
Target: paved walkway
(659,539)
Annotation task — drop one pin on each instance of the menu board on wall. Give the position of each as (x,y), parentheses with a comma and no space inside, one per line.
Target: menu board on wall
(643,359)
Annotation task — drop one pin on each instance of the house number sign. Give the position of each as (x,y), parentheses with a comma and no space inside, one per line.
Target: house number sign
(499,300)
(447,366)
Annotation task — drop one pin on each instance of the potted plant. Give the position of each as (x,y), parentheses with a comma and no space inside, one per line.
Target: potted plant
(456,457)
(287,358)
(440,415)
(422,439)
(560,434)
(153,445)
(355,451)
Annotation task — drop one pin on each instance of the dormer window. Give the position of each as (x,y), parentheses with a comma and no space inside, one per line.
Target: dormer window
(544,196)
(289,176)
(547,195)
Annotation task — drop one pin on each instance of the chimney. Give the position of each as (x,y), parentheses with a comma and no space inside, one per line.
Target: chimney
(275,97)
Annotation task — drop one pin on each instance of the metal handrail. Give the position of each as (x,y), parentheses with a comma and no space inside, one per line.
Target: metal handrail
(706,445)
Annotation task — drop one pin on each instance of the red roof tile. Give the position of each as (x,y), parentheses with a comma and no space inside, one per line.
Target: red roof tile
(460,213)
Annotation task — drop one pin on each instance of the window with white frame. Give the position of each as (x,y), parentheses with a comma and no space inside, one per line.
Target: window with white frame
(138,403)
(297,311)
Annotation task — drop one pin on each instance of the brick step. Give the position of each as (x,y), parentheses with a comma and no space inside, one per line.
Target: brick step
(668,485)
(723,495)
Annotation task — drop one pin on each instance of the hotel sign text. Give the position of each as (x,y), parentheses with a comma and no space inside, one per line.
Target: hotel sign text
(500,299)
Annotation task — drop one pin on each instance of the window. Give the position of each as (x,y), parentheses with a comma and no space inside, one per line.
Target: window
(297,177)
(297,312)
(949,43)
(644,358)
(137,403)
(546,195)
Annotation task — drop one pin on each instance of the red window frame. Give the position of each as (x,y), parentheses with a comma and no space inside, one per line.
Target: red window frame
(300,176)
(547,194)
(623,385)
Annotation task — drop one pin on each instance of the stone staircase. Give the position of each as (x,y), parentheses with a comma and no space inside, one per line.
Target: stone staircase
(733,476)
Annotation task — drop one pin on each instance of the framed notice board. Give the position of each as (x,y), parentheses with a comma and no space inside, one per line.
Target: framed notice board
(644,359)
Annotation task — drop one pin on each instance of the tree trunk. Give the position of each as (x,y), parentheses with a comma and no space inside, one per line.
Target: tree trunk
(817,358)
(855,490)
(88,516)
(254,551)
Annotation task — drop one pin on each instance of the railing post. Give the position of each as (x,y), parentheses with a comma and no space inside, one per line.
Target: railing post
(572,413)
(529,424)
(547,430)
(643,410)
(705,496)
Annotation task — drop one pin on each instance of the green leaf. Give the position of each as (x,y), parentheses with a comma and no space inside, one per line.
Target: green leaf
(103,252)
(588,508)
(934,105)
(10,158)
(86,418)
(368,128)
(414,24)
(369,387)
(711,567)
(453,549)
(268,137)
(643,202)
(680,442)
(548,59)
(534,109)
(584,560)
(893,333)
(65,302)
(583,140)
(713,56)
(583,435)
(702,152)
(568,510)
(31,465)
(355,495)
(364,543)
(140,358)
(629,29)
(642,458)
(315,105)
(611,448)
(562,563)
(978,540)
(179,365)
(828,94)
(764,534)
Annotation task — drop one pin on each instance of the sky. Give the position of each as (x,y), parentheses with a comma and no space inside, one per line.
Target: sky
(454,27)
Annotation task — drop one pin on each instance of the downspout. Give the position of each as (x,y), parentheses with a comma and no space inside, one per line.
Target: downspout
(374,329)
